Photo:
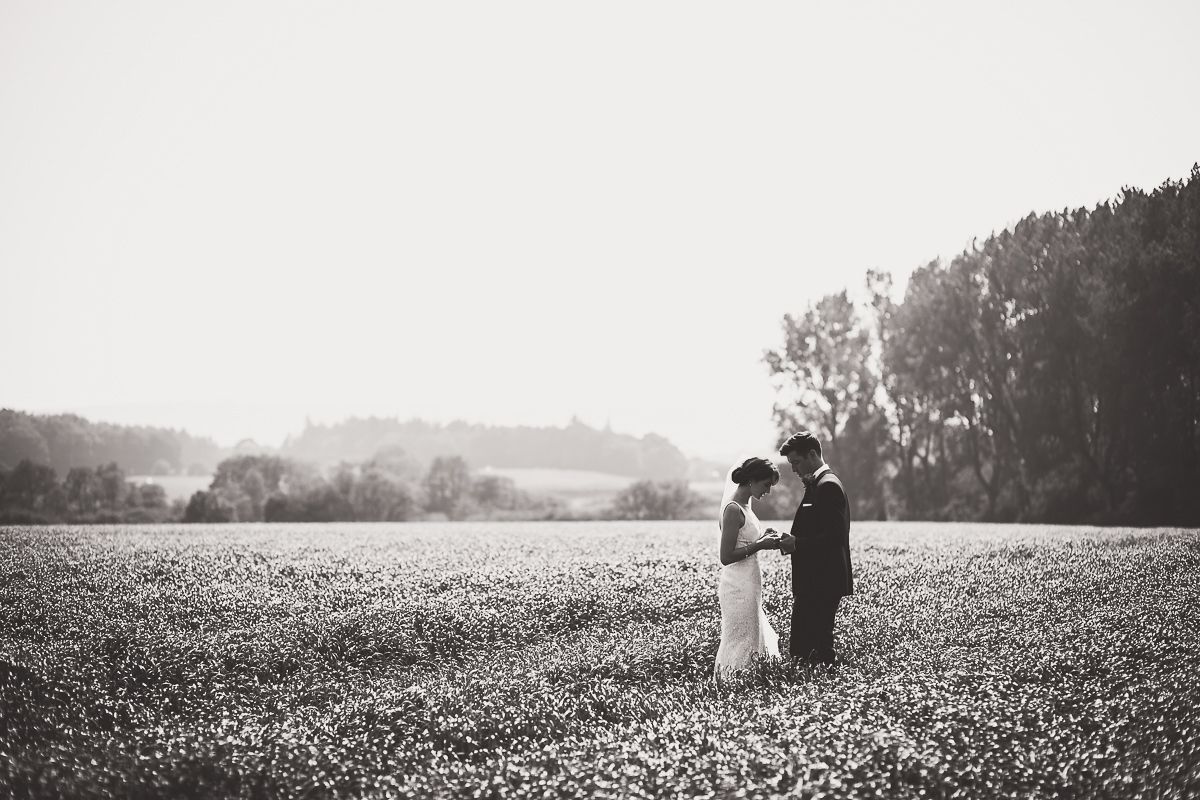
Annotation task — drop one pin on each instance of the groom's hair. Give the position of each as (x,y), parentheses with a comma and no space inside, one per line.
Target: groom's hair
(802,442)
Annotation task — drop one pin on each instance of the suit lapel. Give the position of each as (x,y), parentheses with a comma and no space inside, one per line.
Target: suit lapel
(808,505)
(804,511)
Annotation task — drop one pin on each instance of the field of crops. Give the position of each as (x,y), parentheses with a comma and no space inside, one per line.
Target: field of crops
(552,659)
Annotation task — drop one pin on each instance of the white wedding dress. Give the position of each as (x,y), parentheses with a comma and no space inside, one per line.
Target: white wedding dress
(746,633)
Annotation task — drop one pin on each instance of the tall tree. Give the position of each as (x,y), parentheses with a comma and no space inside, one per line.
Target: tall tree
(826,374)
(822,369)
(112,485)
(448,486)
(917,436)
(83,489)
(1156,394)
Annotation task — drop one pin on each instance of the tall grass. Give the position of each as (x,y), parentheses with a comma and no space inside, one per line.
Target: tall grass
(549,659)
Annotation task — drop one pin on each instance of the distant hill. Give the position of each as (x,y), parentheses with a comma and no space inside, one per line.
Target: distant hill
(67,440)
(64,441)
(577,446)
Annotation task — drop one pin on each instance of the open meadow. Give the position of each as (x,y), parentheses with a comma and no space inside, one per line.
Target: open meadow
(558,659)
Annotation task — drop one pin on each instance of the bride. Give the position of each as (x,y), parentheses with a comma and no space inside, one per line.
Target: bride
(746,634)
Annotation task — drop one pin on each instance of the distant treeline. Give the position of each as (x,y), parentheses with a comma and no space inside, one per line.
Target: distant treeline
(1049,373)
(31,493)
(65,441)
(577,446)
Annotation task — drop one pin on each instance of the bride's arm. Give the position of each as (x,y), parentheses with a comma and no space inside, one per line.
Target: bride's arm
(731,522)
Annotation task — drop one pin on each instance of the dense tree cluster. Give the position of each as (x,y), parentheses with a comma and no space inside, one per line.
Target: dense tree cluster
(32,493)
(389,487)
(1050,373)
(647,499)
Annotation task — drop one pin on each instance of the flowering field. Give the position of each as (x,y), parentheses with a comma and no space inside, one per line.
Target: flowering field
(550,659)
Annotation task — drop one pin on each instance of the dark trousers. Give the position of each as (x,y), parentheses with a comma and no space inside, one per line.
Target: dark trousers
(812,627)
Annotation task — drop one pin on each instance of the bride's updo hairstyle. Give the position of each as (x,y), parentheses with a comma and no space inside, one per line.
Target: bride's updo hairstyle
(754,470)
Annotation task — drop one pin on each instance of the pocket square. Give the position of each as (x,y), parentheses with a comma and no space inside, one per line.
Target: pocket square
(806,505)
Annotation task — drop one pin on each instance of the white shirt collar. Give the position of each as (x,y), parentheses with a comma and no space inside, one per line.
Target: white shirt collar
(824,468)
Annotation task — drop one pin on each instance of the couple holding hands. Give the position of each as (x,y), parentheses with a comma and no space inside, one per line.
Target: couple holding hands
(819,545)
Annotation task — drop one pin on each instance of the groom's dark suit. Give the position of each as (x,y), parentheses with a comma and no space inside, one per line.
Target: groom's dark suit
(821,571)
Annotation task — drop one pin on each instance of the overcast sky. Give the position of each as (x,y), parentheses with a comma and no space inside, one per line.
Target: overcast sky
(229,217)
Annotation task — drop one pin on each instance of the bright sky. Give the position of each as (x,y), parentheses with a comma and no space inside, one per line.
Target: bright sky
(230,216)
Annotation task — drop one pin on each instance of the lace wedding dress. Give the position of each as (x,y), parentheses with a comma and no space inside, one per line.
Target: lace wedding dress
(746,633)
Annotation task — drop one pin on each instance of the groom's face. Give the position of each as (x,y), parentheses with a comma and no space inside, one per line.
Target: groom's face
(802,464)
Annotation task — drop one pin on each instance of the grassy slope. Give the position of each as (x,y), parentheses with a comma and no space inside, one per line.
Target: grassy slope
(518,658)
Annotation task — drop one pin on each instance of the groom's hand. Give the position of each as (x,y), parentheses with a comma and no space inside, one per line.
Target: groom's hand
(787,543)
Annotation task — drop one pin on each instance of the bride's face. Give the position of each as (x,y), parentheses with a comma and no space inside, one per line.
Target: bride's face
(760,488)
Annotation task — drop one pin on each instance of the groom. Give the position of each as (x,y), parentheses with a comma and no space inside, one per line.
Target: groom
(821,572)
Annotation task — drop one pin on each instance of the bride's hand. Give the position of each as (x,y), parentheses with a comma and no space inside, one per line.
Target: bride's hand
(769,540)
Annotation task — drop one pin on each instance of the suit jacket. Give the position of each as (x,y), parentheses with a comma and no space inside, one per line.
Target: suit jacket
(821,561)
